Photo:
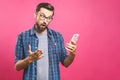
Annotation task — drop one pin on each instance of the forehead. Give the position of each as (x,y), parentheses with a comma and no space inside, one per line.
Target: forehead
(46,12)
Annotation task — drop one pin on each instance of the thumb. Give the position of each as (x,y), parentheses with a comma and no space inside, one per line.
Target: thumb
(29,49)
(73,42)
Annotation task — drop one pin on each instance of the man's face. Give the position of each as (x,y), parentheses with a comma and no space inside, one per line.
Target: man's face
(43,18)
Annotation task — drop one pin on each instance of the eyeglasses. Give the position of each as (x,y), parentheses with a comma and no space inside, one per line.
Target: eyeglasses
(43,17)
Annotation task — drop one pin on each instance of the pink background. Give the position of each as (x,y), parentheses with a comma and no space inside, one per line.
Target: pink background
(97,22)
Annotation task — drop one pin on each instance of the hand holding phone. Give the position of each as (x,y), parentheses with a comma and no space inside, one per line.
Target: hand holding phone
(71,46)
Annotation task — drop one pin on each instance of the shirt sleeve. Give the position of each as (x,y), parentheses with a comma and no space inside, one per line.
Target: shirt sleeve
(19,49)
(63,50)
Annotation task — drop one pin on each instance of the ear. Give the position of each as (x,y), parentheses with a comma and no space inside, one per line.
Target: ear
(35,15)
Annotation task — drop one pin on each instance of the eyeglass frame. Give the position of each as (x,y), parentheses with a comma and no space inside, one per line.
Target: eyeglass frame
(43,17)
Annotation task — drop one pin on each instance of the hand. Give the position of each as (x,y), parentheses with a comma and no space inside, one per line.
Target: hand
(71,47)
(34,55)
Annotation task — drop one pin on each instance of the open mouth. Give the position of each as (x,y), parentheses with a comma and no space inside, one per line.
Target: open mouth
(43,26)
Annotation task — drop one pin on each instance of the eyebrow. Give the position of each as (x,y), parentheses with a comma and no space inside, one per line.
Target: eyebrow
(45,15)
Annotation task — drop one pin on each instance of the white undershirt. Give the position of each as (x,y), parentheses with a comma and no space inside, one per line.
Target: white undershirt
(43,63)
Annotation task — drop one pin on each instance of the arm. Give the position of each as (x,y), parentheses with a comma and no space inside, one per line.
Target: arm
(65,59)
(21,64)
(69,59)
(71,47)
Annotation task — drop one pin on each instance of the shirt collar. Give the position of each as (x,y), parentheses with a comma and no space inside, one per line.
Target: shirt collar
(49,31)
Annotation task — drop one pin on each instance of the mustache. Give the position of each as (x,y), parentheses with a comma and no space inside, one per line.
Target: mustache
(43,24)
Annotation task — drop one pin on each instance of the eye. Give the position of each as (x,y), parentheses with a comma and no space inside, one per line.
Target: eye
(50,17)
(42,16)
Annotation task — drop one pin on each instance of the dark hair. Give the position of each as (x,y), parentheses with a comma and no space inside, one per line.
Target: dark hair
(45,5)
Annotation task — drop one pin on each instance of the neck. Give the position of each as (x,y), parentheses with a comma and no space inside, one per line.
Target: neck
(42,32)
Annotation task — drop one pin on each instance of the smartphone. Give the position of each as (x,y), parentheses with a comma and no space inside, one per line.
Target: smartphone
(75,37)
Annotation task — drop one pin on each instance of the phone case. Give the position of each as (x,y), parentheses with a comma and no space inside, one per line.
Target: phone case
(75,37)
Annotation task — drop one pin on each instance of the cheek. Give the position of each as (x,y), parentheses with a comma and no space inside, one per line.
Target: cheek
(48,23)
(38,21)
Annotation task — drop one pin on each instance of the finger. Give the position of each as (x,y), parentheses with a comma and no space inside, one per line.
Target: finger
(41,56)
(68,49)
(38,53)
(71,45)
(29,49)
(73,42)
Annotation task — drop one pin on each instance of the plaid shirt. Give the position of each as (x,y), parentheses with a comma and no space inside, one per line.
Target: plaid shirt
(56,53)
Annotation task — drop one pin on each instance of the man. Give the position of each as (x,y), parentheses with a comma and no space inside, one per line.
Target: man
(40,49)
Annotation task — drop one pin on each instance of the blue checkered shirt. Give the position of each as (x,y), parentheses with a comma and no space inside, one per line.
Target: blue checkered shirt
(56,53)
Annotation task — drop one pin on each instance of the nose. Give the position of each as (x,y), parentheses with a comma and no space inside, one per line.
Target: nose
(46,21)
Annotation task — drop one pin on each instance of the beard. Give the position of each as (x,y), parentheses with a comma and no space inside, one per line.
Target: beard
(41,27)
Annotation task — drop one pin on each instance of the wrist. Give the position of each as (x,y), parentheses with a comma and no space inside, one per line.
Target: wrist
(28,60)
(72,53)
